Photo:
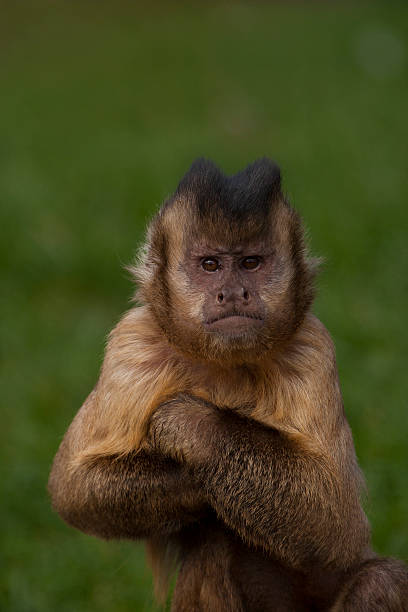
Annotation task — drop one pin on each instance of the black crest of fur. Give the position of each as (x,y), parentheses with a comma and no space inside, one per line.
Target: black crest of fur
(249,193)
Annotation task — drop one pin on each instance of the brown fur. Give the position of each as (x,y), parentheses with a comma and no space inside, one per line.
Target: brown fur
(233,451)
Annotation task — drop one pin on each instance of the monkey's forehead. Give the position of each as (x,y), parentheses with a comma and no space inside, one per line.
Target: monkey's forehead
(182,223)
(212,247)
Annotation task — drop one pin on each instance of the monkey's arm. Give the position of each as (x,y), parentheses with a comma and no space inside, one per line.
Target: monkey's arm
(119,497)
(275,494)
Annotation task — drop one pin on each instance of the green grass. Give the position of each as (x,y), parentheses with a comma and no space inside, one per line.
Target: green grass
(103,106)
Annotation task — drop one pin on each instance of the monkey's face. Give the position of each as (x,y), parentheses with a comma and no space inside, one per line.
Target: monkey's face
(228,284)
(230,302)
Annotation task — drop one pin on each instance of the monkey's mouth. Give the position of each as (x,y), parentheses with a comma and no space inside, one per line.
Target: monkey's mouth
(234,321)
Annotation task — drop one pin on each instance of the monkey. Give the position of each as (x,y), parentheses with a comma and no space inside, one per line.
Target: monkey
(216,430)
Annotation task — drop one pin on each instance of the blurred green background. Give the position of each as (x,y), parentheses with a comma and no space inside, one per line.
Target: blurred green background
(103,106)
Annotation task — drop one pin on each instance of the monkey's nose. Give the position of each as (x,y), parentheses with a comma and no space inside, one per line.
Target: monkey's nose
(233,294)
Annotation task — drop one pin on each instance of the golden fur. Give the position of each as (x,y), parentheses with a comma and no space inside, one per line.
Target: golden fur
(292,392)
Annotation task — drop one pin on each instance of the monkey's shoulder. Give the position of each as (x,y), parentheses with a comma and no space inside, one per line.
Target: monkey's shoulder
(305,394)
(137,340)
(311,348)
(140,370)
(138,358)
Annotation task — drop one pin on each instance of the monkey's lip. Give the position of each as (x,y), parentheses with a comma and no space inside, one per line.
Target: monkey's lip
(235,319)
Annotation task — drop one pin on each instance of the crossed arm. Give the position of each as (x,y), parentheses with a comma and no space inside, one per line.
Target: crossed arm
(265,488)
(276,495)
(130,496)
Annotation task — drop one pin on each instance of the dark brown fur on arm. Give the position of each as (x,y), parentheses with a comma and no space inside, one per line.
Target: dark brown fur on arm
(262,485)
(129,496)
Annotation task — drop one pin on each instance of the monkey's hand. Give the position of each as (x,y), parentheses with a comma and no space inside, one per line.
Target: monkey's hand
(177,428)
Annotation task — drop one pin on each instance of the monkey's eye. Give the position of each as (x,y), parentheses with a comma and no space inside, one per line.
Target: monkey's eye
(210,264)
(250,263)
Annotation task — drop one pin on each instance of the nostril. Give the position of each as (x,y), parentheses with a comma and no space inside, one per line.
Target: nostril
(245,295)
(220,298)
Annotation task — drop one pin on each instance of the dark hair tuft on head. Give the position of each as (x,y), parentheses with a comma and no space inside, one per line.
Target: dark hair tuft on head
(250,192)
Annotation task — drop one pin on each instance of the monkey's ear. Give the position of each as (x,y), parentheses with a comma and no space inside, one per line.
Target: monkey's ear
(149,258)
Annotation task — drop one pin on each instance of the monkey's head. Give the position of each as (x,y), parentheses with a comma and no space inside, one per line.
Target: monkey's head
(224,269)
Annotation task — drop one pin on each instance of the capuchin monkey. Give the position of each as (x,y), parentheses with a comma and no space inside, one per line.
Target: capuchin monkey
(216,430)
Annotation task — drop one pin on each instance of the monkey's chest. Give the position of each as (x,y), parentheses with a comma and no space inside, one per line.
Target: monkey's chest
(234,389)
